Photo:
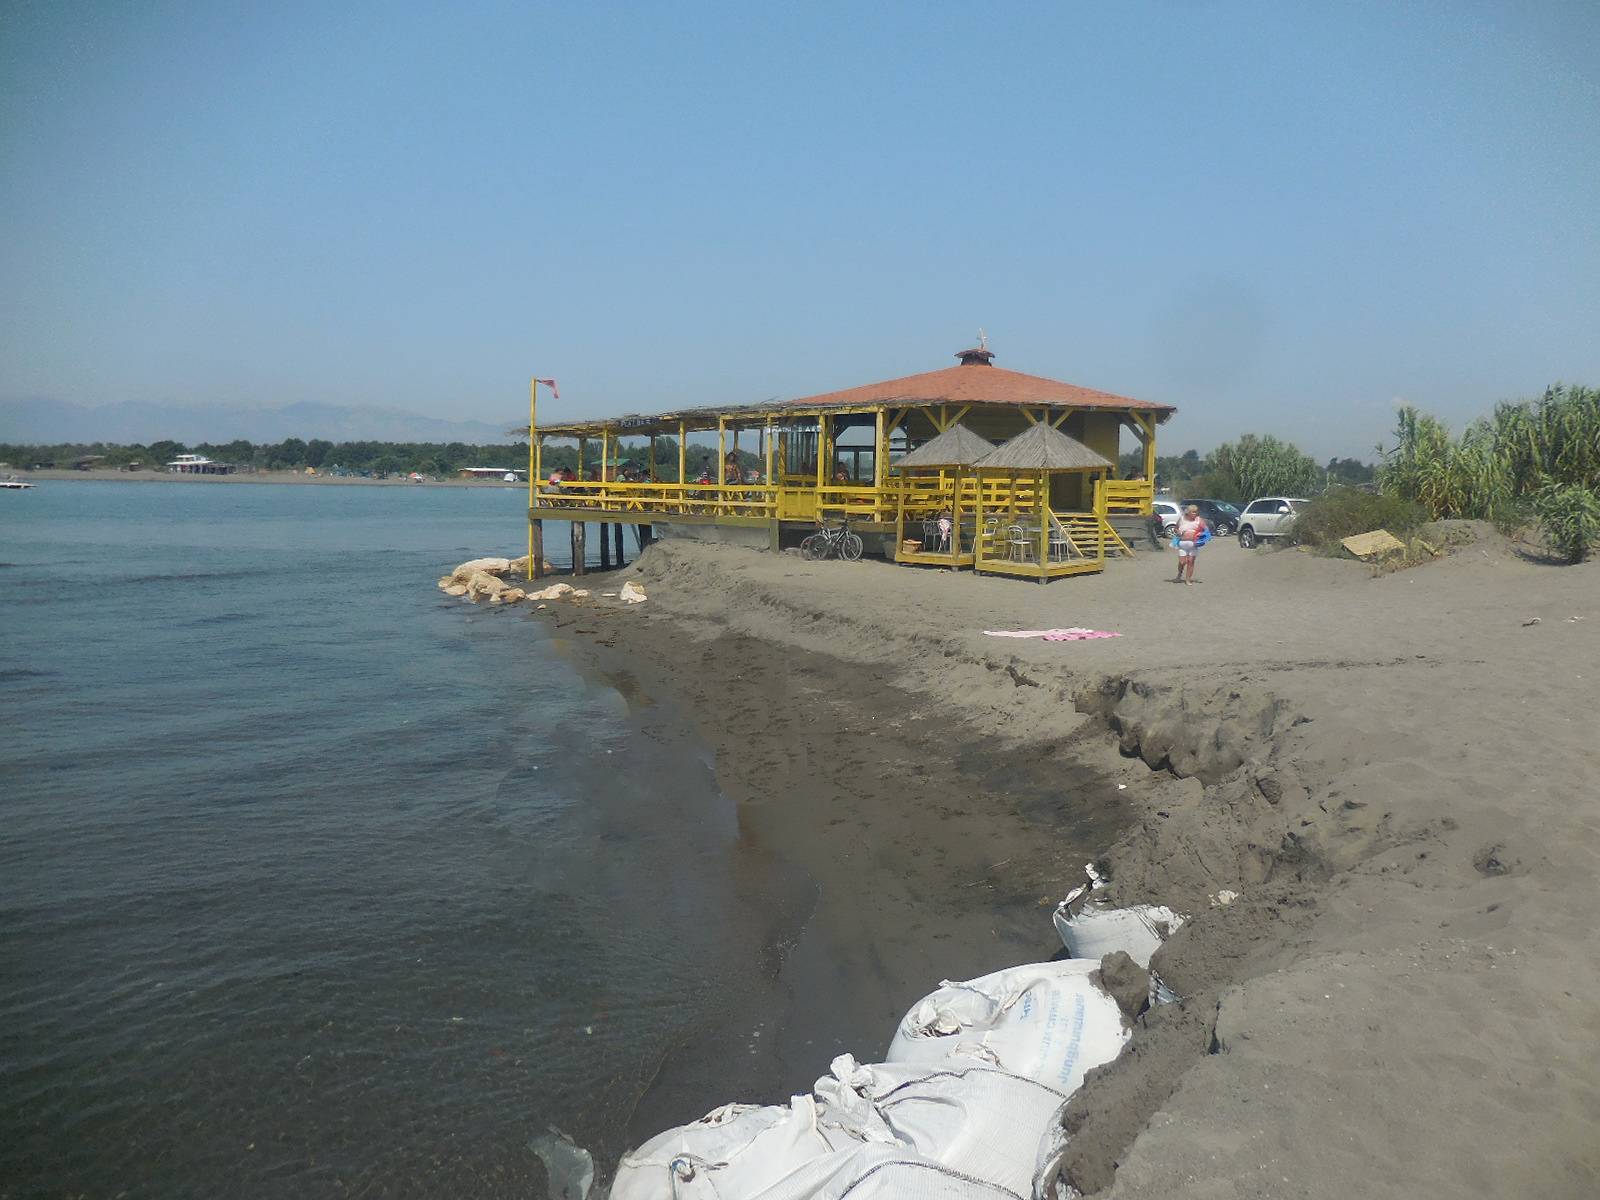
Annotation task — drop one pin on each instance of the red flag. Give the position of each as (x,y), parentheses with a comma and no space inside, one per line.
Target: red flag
(551,384)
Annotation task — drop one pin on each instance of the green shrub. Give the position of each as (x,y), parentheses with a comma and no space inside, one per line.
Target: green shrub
(1569,517)
(1343,512)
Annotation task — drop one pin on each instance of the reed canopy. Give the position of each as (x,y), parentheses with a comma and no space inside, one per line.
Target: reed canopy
(957,446)
(1042,448)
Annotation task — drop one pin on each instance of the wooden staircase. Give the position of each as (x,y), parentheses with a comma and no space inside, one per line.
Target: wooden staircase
(1086,531)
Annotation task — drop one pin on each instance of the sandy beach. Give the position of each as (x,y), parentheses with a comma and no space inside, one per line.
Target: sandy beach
(1396,772)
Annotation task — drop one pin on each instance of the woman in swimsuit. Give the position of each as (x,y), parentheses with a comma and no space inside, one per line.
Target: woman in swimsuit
(1190,528)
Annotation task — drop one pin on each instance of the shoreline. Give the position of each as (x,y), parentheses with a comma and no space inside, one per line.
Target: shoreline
(920,861)
(66,475)
(1341,762)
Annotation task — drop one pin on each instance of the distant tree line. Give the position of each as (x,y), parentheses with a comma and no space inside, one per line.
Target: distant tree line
(376,459)
(1254,465)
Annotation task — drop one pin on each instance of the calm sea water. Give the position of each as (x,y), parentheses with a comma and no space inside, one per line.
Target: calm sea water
(313,882)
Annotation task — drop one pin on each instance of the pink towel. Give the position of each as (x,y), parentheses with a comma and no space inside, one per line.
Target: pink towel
(1053,635)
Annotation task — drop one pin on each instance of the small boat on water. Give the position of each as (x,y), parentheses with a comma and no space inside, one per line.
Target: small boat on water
(12,484)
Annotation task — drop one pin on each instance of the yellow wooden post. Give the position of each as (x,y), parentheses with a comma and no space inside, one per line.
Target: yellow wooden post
(1149,426)
(978,528)
(581,441)
(822,456)
(900,519)
(955,521)
(722,463)
(533,474)
(772,496)
(1044,528)
(880,464)
(683,458)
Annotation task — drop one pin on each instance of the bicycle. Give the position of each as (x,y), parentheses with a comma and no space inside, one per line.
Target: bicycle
(828,540)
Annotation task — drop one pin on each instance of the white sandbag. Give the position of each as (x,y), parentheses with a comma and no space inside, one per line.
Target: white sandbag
(982,1122)
(877,1172)
(1097,931)
(1047,1022)
(939,1125)
(735,1152)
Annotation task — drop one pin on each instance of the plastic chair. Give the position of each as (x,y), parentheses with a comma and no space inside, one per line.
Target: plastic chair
(1061,546)
(1019,546)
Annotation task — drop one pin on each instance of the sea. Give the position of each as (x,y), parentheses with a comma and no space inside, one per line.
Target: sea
(316,882)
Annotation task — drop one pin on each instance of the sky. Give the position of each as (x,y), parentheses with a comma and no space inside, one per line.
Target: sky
(1282,218)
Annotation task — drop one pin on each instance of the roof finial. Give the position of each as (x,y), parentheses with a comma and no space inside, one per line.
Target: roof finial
(983,340)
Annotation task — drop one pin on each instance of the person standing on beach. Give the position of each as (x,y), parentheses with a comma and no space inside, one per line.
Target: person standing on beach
(1191,528)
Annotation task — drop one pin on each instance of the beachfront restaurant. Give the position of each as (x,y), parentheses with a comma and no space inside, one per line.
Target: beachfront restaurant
(834,456)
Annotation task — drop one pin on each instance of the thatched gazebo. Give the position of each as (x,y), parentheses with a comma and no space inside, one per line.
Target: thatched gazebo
(937,487)
(1032,517)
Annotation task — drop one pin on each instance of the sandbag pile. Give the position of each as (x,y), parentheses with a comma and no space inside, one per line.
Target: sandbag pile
(968,1104)
(481,579)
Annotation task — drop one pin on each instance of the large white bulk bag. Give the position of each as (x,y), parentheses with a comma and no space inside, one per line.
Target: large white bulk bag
(734,1152)
(875,1172)
(1047,1022)
(1096,931)
(984,1123)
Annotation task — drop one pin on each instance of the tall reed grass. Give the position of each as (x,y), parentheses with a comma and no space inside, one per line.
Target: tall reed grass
(1500,462)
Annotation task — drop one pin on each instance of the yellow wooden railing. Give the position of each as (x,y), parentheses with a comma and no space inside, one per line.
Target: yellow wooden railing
(660,499)
(1123,497)
(1088,535)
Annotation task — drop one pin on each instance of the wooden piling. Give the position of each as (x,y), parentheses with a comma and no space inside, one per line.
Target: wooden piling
(579,552)
(605,548)
(645,535)
(536,551)
(617,536)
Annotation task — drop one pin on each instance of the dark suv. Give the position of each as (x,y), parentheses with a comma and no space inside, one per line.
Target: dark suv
(1222,517)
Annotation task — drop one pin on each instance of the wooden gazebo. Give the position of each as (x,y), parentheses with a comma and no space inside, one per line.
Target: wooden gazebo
(1025,524)
(937,497)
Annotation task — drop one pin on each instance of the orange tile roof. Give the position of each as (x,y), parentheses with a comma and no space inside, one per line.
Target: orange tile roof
(977,383)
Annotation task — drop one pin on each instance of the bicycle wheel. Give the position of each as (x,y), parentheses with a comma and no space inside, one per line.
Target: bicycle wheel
(814,547)
(850,548)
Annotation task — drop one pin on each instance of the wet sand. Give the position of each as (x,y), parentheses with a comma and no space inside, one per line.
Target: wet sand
(916,854)
(1397,773)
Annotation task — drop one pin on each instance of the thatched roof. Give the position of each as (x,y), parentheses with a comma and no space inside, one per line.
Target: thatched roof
(1040,447)
(957,446)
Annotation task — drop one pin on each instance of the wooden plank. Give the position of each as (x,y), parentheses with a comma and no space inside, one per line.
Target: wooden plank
(1378,541)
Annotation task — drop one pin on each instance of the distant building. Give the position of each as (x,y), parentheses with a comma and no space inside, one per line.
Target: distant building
(198,464)
(508,474)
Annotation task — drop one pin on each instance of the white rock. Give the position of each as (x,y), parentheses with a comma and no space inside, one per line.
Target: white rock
(632,593)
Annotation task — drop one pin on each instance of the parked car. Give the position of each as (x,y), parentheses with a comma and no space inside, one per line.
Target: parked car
(1163,518)
(1267,517)
(1222,517)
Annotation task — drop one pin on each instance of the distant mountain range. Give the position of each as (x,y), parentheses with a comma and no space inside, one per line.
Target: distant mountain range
(50,421)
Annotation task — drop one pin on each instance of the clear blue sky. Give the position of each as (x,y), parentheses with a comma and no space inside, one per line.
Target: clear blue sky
(1277,216)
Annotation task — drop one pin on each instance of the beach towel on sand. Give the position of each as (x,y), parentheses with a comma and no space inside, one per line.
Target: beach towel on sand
(1053,635)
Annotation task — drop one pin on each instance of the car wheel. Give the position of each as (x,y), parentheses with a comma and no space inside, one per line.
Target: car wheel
(1247,538)
(1224,529)
(1170,528)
